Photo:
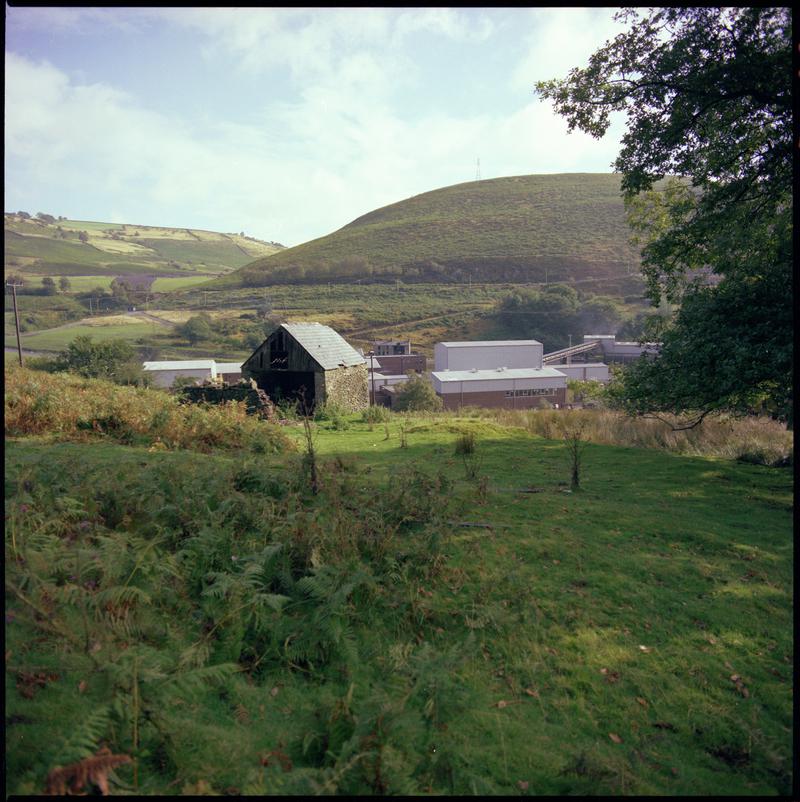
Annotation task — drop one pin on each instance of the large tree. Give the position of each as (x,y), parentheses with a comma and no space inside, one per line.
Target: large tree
(706,166)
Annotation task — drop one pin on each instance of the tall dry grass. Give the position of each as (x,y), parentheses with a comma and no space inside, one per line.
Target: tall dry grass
(73,408)
(755,439)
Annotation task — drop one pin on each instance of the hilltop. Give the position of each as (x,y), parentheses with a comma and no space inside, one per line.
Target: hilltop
(92,253)
(568,227)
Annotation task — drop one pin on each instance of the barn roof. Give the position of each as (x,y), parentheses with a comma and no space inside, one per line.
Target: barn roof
(328,348)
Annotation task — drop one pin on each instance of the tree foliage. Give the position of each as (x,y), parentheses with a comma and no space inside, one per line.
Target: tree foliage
(708,100)
(553,314)
(196,328)
(111,359)
(417,395)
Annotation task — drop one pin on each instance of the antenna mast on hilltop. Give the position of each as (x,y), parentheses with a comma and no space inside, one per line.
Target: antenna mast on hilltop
(478,170)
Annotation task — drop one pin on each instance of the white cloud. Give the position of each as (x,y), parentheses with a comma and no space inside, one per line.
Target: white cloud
(560,39)
(299,168)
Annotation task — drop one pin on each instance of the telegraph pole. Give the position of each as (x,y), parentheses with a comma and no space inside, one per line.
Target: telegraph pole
(16,318)
(371,354)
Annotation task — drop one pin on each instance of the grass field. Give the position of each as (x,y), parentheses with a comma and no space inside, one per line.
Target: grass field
(407,630)
(180,283)
(39,249)
(58,339)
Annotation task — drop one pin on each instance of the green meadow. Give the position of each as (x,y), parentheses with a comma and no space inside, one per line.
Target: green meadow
(58,339)
(427,622)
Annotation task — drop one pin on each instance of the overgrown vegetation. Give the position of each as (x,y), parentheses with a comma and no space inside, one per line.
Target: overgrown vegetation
(400,631)
(67,407)
(724,436)
(555,314)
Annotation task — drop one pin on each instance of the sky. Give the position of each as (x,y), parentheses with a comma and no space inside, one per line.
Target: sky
(286,124)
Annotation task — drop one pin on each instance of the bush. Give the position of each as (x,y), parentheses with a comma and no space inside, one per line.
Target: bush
(330,411)
(417,395)
(112,359)
(197,328)
(376,414)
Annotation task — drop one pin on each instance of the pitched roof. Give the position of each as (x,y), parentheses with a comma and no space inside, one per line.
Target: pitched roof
(328,348)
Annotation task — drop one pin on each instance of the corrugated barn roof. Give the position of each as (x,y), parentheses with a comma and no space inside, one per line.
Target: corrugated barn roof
(328,348)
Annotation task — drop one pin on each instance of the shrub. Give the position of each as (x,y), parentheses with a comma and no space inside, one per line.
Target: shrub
(417,395)
(376,414)
(331,411)
(111,359)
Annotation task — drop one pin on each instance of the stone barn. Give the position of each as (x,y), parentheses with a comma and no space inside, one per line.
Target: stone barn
(312,362)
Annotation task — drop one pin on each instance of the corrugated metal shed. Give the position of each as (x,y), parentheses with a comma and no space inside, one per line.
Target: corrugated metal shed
(325,346)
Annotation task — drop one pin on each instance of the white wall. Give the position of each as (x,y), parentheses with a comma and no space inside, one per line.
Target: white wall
(165,378)
(444,387)
(584,371)
(485,356)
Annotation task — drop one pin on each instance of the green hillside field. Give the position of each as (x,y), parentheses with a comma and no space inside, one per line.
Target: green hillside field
(34,248)
(566,227)
(194,607)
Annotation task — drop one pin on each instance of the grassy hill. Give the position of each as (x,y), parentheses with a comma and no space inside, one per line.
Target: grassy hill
(406,630)
(90,253)
(568,227)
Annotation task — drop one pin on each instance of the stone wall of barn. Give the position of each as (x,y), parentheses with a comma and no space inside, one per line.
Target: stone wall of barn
(346,387)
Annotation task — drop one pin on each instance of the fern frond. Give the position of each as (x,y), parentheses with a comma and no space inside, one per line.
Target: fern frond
(195,656)
(122,594)
(83,738)
(194,680)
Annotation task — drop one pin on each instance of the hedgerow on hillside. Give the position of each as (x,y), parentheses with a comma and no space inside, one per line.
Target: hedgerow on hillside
(70,407)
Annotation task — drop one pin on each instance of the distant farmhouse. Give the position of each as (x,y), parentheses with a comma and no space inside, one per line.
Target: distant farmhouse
(312,363)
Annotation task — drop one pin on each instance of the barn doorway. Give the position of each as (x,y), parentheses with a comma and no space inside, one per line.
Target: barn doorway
(289,385)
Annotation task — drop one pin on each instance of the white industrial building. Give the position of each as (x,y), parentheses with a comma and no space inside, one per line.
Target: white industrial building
(584,371)
(621,351)
(164,373)
(487,354)
(501,373)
